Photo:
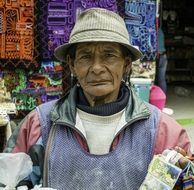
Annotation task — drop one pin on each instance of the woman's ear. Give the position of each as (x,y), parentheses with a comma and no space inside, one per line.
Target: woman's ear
(70,62)
(128,64)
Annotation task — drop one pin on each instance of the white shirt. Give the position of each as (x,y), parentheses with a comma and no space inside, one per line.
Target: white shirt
(99,131)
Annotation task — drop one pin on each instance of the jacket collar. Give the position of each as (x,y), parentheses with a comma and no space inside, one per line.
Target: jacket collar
(64,110)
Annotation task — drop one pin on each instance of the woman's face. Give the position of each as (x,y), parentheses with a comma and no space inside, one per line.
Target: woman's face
(99,67)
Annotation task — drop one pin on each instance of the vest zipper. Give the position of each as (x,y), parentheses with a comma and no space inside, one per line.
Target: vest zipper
(48,146)
(125,126)
(73,128)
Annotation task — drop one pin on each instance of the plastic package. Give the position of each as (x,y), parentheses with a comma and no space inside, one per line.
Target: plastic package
(22,187)
(162,173)
(14,168)
(38,187)
(172,156)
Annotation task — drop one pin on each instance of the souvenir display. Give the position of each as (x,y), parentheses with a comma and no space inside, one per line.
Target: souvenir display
(164,173)
(161,175)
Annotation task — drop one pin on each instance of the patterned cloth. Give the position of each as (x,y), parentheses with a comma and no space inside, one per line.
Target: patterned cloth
(17,32)
(140,18)
(61,19)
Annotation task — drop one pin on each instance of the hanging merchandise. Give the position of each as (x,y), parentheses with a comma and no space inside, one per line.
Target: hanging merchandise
(36,28)
(61,19)
(140,18)
(56,19)
(34,88)
(107,4)
(17,32)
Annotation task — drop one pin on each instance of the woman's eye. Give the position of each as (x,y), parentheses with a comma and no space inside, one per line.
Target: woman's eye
(108,55)
(85,57)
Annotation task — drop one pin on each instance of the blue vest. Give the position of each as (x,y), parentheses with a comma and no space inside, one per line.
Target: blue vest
(70,167)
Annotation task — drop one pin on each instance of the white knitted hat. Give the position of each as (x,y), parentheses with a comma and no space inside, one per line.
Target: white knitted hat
(98,25)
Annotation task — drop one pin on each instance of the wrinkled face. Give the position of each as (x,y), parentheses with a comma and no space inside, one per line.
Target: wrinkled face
(99,68)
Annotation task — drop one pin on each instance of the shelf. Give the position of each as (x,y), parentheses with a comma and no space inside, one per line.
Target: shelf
(176,59)
(179,74)
(179,39)
(176,45)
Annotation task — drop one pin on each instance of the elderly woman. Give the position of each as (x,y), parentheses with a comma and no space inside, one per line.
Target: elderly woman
(100,135)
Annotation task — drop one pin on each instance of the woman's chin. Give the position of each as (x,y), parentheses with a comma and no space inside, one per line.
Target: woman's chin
(100,90)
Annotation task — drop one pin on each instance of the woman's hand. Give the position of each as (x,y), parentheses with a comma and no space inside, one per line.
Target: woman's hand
(183,161)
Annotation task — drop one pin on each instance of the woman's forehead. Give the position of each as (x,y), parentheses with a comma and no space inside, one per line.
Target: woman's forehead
(101,45)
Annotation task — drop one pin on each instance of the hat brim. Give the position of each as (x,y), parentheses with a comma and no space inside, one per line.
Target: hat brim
(61,51)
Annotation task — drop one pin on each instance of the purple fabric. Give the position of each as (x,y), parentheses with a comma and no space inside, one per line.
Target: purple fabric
(108,4)
(140,20)
(61,18)
(62,15)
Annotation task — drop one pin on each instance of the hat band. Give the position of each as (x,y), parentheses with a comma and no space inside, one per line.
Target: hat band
(98,35)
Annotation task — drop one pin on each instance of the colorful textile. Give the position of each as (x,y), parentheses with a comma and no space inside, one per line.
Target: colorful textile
(16,33)
(31,30)
(61,19)
(140,18)
(186,179)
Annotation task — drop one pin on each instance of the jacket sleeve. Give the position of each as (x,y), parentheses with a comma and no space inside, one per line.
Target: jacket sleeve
(170,134)
(26,137)
(25,134)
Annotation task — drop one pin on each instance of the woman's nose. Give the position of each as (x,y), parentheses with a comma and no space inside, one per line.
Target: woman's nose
(97,65)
